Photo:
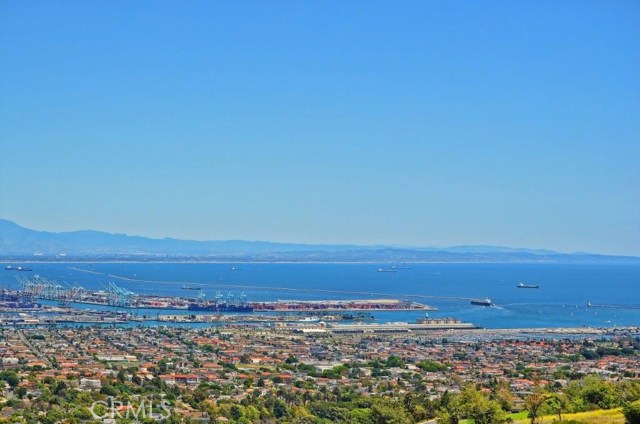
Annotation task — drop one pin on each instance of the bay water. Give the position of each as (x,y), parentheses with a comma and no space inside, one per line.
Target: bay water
(561,300)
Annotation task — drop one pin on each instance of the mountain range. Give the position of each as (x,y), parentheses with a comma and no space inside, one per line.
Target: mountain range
(20,243)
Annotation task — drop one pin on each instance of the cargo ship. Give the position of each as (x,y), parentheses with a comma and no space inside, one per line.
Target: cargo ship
(527,286)
(219,307)
(481,302)
(17,268)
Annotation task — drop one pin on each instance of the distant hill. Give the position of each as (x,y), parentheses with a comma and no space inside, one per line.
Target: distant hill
(17,240)
(21,243)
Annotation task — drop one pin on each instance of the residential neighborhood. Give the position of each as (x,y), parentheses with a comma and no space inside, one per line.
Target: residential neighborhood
(235,364)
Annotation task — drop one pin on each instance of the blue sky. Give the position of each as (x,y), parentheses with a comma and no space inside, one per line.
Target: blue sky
(410,123)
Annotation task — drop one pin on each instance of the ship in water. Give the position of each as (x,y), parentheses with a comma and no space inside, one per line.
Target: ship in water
(481,302)
(17,268)
(221,304)
(444,322)
(386,270)
(527,286)
(219,307)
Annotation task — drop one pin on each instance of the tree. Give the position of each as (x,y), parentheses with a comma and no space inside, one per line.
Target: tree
(360,416)
(451,409)
(279,409)
(394,362)
(21,392)
(533,403)
(419,406)
(599,393)
(109,390)
(431,366)
(479,408)
(503,395)
(236,412)
(631,412)
(291,359)
(60,388)
(629,391)
(389,412)
(558,402)
(329,411)
(10,377)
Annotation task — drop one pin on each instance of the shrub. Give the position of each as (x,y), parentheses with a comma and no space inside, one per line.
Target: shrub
(631,412)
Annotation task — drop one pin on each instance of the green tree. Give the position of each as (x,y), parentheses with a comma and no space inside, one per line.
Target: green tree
(599,393)
(21,392)
(389,412)
(109,390)
(479,408)
(431,366)
(558,402)
(236,412)
(10,377)
(631,412)
(360,416)
(533,403)
(291,359)
(280,409)
(394,362)
(503,395)
(451,409)
(419,406)
(629,391)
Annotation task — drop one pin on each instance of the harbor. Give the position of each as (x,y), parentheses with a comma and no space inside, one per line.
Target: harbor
(332,289)
(72,304)
(41,288)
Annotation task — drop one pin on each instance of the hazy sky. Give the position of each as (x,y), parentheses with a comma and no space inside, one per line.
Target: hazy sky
(417,123)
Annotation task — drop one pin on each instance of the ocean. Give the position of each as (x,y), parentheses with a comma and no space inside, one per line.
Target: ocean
(561,300)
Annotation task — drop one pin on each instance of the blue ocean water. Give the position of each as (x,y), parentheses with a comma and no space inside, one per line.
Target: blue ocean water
(561,300)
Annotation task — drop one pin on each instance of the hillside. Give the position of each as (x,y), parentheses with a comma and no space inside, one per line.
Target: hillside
(17,242)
